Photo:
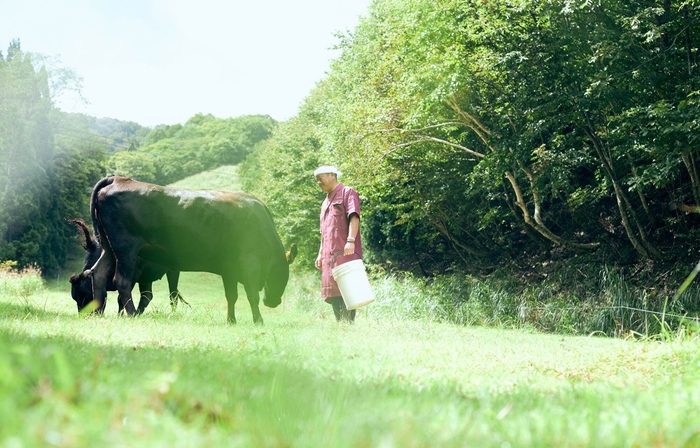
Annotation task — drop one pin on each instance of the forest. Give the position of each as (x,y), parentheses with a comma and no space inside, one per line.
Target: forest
(538,141)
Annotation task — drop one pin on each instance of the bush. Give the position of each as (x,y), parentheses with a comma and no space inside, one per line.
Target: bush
(20,284)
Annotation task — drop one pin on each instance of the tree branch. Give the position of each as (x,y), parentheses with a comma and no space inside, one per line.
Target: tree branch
(425,138)
(537,223)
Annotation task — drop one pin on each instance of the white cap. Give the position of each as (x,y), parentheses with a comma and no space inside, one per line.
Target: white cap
(327,169)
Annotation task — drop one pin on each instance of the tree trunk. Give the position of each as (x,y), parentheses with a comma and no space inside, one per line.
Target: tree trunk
(537,223)
(689,161)
(641,243)
(442,227)
(543,243)
(640,193)
(483,132)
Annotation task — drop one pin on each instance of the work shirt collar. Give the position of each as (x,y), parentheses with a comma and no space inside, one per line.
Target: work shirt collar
(335,191)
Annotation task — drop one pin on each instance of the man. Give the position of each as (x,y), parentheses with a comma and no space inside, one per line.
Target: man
(340,235)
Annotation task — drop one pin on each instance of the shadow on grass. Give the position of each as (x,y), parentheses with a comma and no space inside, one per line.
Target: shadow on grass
(258,396)
(21,309)
(150,394)
(217,382)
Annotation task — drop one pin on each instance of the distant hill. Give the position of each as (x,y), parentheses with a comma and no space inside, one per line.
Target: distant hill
(172,153)
(114,135)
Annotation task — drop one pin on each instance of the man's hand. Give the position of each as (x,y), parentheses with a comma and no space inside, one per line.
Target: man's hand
(349,248)
(318,261)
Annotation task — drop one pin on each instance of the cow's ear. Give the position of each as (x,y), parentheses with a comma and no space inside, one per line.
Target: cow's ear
(292,254)
(76,278)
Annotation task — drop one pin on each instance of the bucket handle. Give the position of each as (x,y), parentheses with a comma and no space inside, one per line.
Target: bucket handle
(336,254)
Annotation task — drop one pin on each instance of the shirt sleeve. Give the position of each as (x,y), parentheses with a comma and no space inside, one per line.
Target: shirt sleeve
(352,202)
(320,227)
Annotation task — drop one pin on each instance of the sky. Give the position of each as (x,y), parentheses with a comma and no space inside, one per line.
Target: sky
(162,61)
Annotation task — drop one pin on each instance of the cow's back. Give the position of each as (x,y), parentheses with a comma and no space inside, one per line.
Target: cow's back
(192,230)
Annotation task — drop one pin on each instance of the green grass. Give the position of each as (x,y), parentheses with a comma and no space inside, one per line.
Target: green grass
(186,378)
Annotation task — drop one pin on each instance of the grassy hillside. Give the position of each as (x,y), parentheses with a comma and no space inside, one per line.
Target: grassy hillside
(222,178)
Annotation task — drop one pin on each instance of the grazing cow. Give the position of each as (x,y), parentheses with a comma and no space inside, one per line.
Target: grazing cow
(229,234)
(145,274)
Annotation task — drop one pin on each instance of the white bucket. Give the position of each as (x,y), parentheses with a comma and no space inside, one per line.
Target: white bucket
(354,284)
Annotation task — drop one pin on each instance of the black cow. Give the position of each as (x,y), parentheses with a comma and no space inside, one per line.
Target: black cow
(229,234)
(145,274)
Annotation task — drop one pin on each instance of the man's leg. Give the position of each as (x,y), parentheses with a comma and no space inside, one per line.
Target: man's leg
(340,311)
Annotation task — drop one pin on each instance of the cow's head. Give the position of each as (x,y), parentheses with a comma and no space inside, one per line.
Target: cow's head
(81,291)
(271,300)
(277,279)
(81,284)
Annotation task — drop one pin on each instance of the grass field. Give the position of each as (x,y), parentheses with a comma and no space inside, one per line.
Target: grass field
(186,378)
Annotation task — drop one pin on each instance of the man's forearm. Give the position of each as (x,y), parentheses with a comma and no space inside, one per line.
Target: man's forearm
(354,226)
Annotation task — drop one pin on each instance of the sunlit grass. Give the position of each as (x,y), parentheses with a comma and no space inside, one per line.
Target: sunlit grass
(19,284)
(222,178)
(186,378)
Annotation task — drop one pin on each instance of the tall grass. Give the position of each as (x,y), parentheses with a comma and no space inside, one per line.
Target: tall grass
(612,307)
(20,284)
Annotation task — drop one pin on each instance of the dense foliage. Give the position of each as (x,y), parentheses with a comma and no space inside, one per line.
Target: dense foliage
(43,178)
(112,134)
(480,135)
(483,134)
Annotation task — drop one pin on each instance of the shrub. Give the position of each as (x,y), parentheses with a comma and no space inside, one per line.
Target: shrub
(20,284)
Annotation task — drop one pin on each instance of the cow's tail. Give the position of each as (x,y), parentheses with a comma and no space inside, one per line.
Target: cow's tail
(97,228)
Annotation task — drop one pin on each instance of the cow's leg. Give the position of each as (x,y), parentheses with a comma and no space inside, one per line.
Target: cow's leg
(173,279)
(125,247)
(125,301)
(231,288)
(124,283)
(100,273)
(146,295)
(120,303)
(254,300)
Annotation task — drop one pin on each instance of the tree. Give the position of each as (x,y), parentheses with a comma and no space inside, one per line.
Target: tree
(30,205)
(479,130)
